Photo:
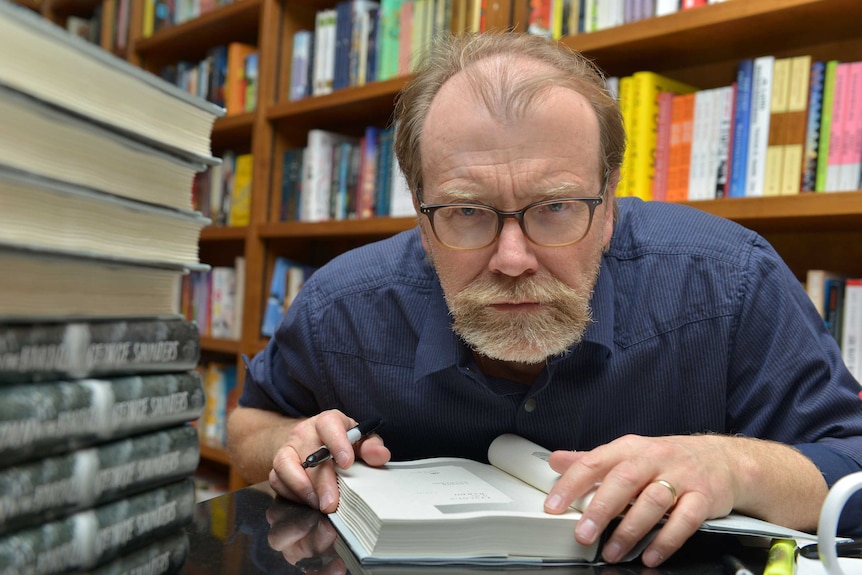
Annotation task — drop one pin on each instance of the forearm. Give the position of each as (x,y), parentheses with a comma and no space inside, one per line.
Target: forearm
(777,483)
(254,436)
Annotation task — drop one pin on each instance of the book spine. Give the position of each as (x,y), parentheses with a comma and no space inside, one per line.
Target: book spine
(679,166)
(50,351)
(838,132)
(44,489)
(95,536)
(758,137)
(49,418)
(163,556)
(851,338)
(796,124)
(741,120)
(825,125)
(773,163)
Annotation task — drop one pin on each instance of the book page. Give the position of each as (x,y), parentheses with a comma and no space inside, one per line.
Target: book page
(528,462)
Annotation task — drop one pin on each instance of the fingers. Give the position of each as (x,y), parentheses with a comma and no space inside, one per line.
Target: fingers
(672,482)
(317,486)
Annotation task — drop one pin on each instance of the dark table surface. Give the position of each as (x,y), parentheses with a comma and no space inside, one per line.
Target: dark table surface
(251,531)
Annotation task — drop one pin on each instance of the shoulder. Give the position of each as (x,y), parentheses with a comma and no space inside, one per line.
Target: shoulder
(661,228)
(396,261)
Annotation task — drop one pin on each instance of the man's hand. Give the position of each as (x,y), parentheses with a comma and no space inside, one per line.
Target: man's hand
(304,537)
(685,479)
(317,486)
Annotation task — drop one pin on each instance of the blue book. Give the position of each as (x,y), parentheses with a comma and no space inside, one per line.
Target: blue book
(741,121)
(812,134)
(275,302)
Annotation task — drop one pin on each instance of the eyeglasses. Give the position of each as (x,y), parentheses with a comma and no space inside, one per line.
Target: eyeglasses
(549,223)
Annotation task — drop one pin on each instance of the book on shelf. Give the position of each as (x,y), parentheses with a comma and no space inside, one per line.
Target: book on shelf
(95,536)
(812,127)
(795,125)
(778,108)
(48,351)
(454,510)
(44,61)
(839,131)
(758,133)
(51,214)
(300,65)
(816,287)
(646,87)
(162,556)
(317,170)
(851,336)
(50,285)
(56,486)
(235,80)
(679,154)
(741,121)
(221,393)
(287,279)
(824,142)
(41,419)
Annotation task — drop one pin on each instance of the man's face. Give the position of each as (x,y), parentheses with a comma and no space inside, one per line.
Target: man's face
(515,301)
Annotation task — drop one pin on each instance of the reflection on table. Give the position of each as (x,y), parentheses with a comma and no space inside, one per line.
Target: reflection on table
(252,531)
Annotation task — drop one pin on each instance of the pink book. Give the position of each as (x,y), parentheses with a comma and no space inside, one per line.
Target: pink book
(851,159)
(838,132)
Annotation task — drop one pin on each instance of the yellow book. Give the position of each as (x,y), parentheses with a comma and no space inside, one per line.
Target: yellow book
(646,87)
(796,125)
(240,194)
(777,132)
(626,109)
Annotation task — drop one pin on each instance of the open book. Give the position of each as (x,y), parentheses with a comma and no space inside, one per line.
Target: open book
(452,510)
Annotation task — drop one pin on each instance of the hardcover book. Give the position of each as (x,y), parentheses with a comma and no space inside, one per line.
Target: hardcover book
(162,556)
(40,419)
(453,510)
(56,486)
(34,352)
(95,536)
(42,212)
(67,148)
(52,286)
(44,61)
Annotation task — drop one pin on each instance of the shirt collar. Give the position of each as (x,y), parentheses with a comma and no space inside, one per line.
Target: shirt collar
(440,347)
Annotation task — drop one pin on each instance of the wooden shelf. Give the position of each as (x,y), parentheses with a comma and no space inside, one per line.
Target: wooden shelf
(723,32)
(235,22)
(223,233)
(33,5)
(347,110)
(214,453)
(70,7)
(371,227)
(219,345)
(233,132)
(833,211)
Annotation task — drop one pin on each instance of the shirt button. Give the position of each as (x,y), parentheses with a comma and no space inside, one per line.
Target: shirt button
(530,405)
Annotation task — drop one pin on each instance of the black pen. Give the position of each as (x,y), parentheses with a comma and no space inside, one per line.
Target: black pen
(849,548)
(354,434)
(733,566)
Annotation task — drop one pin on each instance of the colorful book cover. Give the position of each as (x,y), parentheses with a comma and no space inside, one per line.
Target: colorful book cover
(646,88)
(795,124)
(741,121)
(812,134)
(758,136)
(774,158)
(823,151)
(240,195)
(682,116)
(839,131)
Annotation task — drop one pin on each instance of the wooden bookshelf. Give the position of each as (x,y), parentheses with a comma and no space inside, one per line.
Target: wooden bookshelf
(701,46)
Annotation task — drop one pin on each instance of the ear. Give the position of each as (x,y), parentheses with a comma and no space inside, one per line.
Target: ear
(608,212)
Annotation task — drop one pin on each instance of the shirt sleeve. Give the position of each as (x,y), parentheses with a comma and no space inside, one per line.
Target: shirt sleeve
(787,379)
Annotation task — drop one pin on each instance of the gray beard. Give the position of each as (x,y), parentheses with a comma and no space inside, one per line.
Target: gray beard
(529,337)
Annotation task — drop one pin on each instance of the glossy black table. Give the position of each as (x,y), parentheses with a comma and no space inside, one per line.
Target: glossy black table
(252,531)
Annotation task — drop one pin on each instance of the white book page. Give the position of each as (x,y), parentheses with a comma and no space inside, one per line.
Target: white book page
(528,462)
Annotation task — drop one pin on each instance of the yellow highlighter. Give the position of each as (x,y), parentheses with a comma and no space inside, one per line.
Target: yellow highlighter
(782,558)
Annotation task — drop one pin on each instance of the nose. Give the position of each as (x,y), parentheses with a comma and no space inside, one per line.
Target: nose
(514,254)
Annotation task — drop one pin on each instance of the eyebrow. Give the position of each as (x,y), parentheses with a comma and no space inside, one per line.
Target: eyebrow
(461,195)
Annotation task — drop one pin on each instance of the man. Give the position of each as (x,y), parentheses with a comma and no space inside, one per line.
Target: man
(669,355)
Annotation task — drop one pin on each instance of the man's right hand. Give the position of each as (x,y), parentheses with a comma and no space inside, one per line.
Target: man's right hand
(317,486)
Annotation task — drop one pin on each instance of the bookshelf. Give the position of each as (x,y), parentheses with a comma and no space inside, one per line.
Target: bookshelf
(700,46)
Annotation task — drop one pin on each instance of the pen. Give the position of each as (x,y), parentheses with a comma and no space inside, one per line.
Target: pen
(733,566)
(354,434)
(782,558)
(850,548)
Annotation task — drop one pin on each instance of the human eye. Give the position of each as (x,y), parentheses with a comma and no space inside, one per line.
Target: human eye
(554,209)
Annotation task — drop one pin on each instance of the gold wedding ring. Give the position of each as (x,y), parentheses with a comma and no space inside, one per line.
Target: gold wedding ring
(670,488)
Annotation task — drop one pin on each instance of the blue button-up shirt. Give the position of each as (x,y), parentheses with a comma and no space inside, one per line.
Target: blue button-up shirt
(698,326)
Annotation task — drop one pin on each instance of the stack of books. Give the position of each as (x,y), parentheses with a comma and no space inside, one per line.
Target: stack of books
(97,379)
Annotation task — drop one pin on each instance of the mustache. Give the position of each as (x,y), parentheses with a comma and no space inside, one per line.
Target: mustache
(488,290)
